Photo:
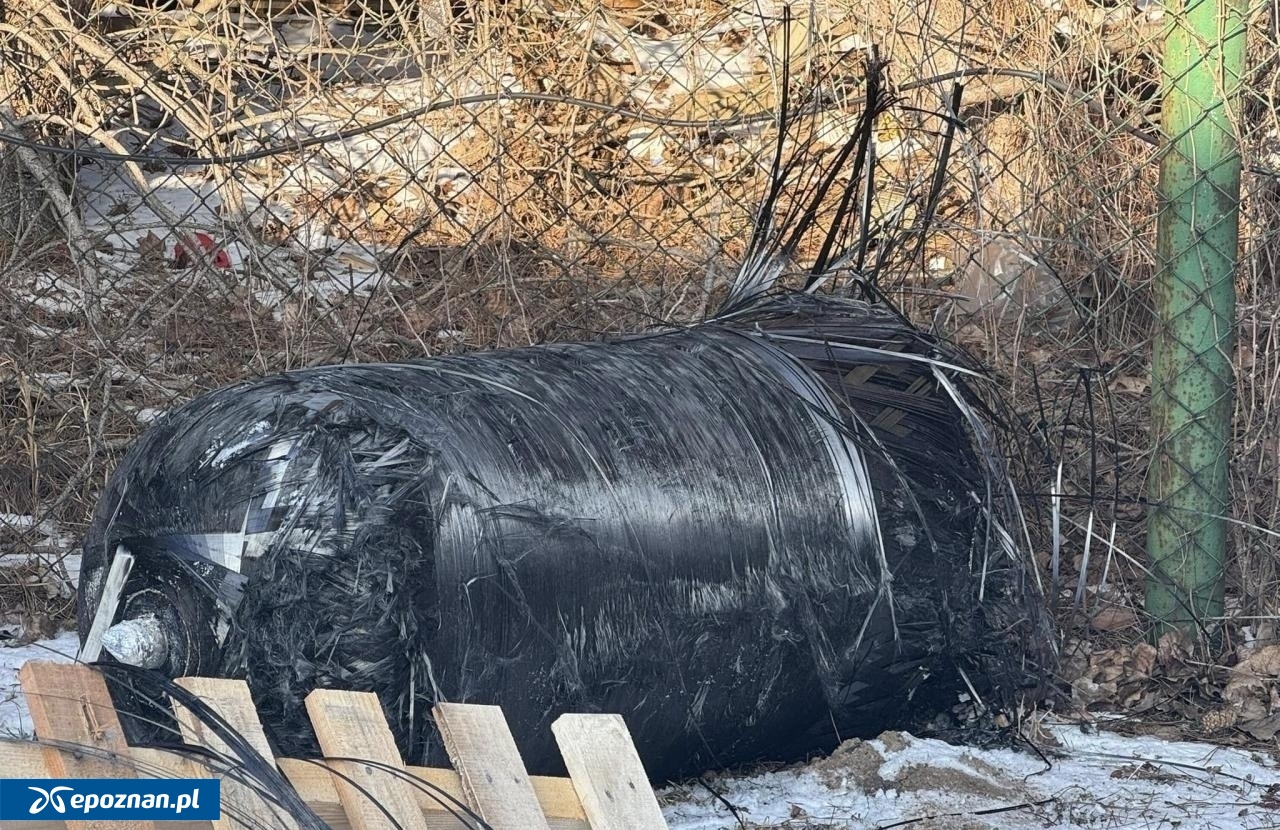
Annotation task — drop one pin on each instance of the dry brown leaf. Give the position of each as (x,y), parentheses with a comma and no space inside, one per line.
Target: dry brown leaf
(1109,673)
(1085,692)
(1263,729)
(1076,656)
(151,247)
(1120,677)
(1132,697)
(1173,652)
(1250,703)
(1251,691)
(1143,659)
(1262,662)
(1145,701)
(1113,618)
(1108,663)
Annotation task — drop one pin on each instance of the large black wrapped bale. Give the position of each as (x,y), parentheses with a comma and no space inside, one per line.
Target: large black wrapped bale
(746,537)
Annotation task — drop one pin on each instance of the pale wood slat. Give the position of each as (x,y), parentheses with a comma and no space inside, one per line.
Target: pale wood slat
(316,787)
(25,759)
(351,724)
(70,703)
(484,753)
(241,806)
(607,773)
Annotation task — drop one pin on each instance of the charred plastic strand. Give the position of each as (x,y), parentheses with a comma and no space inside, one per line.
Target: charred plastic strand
(745,537)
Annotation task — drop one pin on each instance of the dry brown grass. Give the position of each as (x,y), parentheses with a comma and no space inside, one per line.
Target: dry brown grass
(544,220)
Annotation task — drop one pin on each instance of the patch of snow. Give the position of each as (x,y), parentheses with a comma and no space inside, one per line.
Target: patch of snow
(18,521)
(1093,780)
(53,293)
(114,209)
(15,718)
(72,563)
(43,540)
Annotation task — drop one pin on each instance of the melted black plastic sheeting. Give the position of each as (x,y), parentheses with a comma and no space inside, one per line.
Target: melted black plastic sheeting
(746,537)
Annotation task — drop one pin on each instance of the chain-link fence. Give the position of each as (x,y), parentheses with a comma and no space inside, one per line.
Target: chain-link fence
(193,194)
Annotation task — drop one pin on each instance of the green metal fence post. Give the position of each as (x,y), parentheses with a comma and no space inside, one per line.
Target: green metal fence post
(1192,379)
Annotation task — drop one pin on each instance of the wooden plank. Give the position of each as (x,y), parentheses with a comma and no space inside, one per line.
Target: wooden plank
(22,759)
(231,700)
(351,724)
(318,787)
(25,759)
(556,796)
(70,703)
(241,805)
(607,773)
(484,753)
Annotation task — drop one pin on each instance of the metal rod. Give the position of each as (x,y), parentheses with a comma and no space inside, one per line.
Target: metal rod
(1196,251)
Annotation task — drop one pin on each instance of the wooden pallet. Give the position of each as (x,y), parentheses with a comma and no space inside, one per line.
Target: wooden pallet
(607,788)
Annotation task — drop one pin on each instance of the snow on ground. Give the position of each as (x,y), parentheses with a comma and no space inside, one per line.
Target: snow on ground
(14,717)
(50,536)
(45,543)
(1092,779)
(125,223)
